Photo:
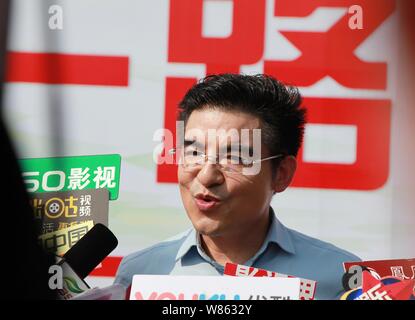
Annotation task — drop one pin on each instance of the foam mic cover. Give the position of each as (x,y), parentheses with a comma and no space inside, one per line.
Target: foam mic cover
(90,250)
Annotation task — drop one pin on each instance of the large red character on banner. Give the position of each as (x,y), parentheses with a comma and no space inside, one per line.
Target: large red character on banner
(331,53)
(323,54)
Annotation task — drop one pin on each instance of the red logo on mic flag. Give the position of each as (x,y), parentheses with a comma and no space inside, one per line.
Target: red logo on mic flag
(387,288)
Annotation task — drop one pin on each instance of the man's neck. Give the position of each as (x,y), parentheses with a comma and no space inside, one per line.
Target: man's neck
(238,247)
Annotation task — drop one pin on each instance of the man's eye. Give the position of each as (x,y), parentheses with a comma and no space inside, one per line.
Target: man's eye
(192,153)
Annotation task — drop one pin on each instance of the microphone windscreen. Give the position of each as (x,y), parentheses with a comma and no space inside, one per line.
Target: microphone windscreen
(90,250)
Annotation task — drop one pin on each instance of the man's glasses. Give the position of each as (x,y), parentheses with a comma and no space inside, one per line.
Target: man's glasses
(193,160)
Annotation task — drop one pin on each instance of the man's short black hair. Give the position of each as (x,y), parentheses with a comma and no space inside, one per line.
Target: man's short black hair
(278,106)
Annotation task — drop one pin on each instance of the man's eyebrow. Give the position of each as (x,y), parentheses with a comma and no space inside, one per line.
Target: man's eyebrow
(232,147)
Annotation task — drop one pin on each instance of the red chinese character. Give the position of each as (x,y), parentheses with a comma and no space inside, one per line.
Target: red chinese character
(332,53)
(244,46)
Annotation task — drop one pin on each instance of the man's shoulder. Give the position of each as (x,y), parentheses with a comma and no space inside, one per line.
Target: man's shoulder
(322,262)
(165,248)
(156,259)
(308,245)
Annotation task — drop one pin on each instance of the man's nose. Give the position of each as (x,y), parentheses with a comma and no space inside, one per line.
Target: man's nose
(210,175)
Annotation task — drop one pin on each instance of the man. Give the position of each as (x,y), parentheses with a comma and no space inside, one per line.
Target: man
(227,192)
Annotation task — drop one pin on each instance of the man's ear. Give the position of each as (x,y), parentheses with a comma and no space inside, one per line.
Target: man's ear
(284,173)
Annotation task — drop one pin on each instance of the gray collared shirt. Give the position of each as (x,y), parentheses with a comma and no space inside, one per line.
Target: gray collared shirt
(283,251)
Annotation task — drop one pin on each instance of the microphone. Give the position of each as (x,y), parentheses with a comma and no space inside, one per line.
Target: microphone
(90,250)
(78,262)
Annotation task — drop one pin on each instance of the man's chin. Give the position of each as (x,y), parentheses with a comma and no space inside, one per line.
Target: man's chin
(208,228)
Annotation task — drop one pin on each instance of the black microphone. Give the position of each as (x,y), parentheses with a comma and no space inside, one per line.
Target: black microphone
(90,250)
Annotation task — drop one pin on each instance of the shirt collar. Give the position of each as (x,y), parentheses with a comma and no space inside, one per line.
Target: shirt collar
(190,241)
(277,233)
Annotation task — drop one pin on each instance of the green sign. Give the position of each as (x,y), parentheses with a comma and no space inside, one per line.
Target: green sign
(72,173)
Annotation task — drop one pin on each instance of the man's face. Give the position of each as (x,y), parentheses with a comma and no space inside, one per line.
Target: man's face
(221,203)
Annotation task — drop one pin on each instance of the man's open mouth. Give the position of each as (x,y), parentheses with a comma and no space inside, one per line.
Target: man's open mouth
(206,202)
